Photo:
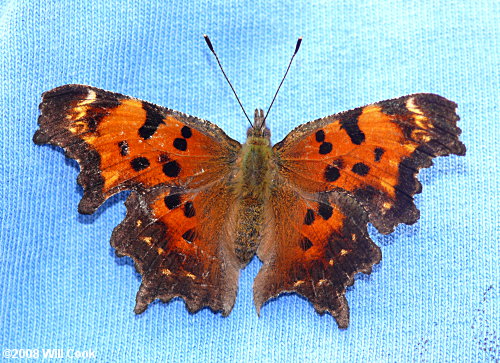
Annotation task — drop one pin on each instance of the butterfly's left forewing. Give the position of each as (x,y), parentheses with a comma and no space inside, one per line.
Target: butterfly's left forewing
(374,153)
(336,174)
(176,167)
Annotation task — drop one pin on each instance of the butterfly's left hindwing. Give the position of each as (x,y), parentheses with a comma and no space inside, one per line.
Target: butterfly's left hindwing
(317,244)
(174,164)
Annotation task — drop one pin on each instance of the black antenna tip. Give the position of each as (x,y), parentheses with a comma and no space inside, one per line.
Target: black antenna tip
(297,46)
(299,41)
(209,43)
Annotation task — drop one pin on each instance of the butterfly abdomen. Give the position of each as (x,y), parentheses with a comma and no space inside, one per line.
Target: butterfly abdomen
(252,188)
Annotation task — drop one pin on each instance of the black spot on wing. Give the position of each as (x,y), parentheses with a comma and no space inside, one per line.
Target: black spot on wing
(325,211)
(189,235)
(171,169)
(139,163)
(320,136)
(180,144)
(173,201)
(154,119)
(360,169)
(349,123)
(189,210)
(332,173)
(325,148)
(305,243)
(123,145)
(186,132)
(309,218)
(378,153)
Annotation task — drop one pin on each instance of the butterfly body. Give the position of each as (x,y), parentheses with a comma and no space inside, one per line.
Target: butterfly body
(202,205)
(254,178)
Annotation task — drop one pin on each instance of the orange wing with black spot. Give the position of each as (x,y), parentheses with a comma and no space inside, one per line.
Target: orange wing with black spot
(173,164)
(317,244)
(374,153)
(335,175)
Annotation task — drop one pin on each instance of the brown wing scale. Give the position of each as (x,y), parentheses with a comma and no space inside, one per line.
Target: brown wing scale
(173,163)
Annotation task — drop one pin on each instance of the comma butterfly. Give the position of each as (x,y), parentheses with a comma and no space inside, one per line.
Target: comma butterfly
(202,205)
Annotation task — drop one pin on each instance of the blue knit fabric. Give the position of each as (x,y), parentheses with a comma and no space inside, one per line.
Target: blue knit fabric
(434,297)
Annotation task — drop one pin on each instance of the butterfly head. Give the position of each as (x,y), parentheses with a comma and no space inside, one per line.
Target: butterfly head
(259,128)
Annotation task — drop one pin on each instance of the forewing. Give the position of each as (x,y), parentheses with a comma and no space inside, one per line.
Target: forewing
(374,153)
(172,162)
(124,143)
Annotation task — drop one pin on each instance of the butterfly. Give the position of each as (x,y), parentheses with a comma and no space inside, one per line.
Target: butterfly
(202,204)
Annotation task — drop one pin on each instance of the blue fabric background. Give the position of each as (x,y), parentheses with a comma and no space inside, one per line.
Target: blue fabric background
(436,294)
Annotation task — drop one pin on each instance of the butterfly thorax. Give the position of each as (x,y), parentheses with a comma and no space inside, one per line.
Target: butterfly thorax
(254,176)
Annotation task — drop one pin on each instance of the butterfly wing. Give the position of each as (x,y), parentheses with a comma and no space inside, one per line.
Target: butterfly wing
(173,163)
(317,244)
(335,175)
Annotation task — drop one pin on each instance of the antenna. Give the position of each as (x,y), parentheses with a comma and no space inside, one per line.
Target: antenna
(210,46)
(297,46)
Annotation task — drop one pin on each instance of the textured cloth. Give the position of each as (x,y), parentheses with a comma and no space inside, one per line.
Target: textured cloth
(434,297)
